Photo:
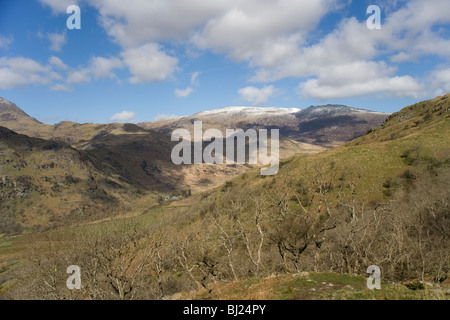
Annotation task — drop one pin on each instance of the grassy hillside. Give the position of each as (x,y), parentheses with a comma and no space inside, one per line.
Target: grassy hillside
(381,199)
(46,183)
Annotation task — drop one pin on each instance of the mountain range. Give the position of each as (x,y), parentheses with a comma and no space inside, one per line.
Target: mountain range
(72,171)
(380,199)
(325,126)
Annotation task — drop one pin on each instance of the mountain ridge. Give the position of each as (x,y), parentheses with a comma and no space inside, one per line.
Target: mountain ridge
(9,111)
(326,126)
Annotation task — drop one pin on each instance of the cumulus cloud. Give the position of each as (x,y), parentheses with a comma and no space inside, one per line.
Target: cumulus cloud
(136,22)
(350,41)
(360,78)
(350,50)
(57,40)
(277,39)
(254,31)
(58,63)
(254,25)
(341,64)
(19,72)
(183,93)
(81,75)
(149,63)
(98,67)
(59,6)
(404,86)
(256,96)
(406,34)
(251,22)
(102,67)
(440,81)
(124,116)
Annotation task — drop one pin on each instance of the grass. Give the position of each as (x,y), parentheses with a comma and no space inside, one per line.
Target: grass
(4,244)
(11,255)
(313,286)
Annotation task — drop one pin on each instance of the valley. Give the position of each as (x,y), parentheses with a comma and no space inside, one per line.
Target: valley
(204,230)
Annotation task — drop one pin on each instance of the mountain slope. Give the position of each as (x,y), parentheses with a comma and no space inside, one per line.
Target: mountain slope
(16,119)
(381,199)
(140,157)
(48,183)
(75,134)
(325,126)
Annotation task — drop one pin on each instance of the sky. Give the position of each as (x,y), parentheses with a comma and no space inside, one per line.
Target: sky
(146,60)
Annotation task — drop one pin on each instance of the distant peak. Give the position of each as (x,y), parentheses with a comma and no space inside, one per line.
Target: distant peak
(334,108)
(4,101)
(8,106)
(249,111)
(9,111)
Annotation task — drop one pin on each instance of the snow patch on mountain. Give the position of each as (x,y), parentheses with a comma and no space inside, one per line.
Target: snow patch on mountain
(250,111)
(332,108)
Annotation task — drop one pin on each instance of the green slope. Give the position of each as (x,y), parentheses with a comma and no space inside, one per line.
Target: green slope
(46,183)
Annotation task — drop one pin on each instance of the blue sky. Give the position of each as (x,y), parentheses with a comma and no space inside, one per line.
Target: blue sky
(141,60)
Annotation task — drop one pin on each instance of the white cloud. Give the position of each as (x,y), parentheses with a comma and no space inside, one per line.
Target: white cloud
(256,96)
(59,6)
(240,29)
(102,67)
(81,75)
(57,40)
(404,86)
(343,62)
(5,41)
(149,63)
(161,117)
(287,58)
(98,67)
(440,81)
(60,87)
(183,93)
(194,78)
(277,40)
(245,28)
(124,116)
(57,62)
(407,34)
(136,22)
(19,72)
(360,78)
(412,29)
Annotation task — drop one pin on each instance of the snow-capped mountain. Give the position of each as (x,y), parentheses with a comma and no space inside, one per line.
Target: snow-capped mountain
(326,126)
(248,111)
